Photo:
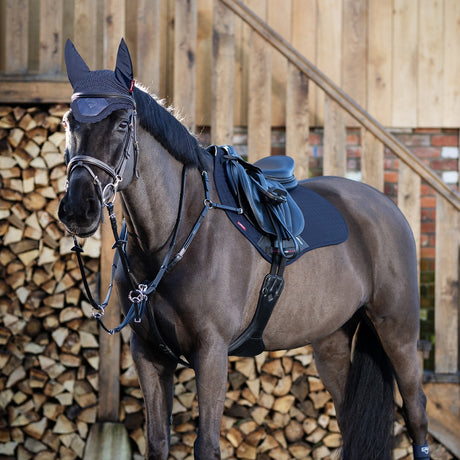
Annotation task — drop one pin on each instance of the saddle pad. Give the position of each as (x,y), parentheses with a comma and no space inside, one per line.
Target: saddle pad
(324,225)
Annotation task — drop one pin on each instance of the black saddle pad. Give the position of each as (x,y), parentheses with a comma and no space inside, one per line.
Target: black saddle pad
(324,225)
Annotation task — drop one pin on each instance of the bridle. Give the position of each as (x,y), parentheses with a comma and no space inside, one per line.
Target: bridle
(130,146)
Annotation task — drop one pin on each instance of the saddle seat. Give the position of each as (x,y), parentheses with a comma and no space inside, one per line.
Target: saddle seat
(279,168)
(260,190)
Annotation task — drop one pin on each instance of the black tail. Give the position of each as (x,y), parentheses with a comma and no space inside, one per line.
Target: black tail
(367,413)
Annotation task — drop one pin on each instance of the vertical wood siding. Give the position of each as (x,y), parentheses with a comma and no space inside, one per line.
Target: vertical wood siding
(399,59)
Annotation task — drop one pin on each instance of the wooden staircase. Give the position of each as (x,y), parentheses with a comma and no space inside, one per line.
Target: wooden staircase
(443,385)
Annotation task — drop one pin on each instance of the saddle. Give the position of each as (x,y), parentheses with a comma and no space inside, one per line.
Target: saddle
(261,190)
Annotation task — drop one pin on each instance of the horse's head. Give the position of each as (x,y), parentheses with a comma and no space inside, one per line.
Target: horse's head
(101,145)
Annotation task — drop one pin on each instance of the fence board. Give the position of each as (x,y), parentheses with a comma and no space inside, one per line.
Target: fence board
(144,40)
(222,75)
(430,62)
(185,40)
(85,29)
(409,201)
(297,120)
(50,52)
(372,160)
(259,89)
(404,75)
(379,65)
(204,62)
(329,19)
(114,20)
(446,287)
(303,38)
(15,40)
(109,346)
(451,92)
(278,62)
(335,156)
(241,73)
(354,52)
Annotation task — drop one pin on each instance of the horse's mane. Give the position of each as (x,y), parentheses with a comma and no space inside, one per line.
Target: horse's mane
(168,130)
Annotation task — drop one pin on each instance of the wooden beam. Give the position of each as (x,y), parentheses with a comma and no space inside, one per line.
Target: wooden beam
(297,120)
(85,27)
(185,41)
(354,109)
(409,201)
(446,288)
(259,92)
(109,345)
(35,91)
(15,38)
(148,43)
(223,65)
(50,51)
(335,152)
(372,160)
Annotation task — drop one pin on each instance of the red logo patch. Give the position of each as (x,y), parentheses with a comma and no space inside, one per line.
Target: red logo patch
(241,225)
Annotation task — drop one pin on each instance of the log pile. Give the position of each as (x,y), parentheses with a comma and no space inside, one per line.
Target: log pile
(48,347)
(276,407)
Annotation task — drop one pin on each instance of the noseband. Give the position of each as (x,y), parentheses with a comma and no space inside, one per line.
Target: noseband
(108,193)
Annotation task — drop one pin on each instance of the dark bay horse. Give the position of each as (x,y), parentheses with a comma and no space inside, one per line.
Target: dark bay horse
(365,287)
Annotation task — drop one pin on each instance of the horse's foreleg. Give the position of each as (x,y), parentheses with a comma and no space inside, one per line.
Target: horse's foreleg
(211,367)
(157,383)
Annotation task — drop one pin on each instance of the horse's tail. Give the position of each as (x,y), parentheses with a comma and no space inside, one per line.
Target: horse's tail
(367,413)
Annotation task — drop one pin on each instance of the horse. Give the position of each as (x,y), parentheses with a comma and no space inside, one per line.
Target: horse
(356,303)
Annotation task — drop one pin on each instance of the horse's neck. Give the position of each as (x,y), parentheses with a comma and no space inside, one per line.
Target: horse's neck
(151,202)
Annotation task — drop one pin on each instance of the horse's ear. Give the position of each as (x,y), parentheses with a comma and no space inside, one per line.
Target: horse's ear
(124,67)
(77,70)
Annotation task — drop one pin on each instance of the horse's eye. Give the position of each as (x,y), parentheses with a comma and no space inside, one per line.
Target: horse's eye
(123,124)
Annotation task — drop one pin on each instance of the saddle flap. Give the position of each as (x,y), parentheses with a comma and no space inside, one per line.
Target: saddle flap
(266,201)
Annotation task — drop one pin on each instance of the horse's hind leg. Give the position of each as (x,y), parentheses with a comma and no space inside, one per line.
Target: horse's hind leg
(332,358)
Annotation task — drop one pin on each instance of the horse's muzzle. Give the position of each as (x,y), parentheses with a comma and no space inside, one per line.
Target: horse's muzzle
(80,208)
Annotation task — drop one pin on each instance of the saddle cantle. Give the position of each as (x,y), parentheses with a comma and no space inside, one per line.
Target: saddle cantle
(261,193)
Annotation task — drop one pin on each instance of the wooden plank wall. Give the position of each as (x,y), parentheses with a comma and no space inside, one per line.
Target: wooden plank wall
(399,59)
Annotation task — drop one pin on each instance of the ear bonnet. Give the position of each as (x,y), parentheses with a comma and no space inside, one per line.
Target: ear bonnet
(98,93)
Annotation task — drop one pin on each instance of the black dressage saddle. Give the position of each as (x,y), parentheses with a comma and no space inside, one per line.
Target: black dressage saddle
(262,191)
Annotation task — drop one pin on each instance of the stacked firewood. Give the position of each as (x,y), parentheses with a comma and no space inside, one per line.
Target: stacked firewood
(276,407)
(48,348)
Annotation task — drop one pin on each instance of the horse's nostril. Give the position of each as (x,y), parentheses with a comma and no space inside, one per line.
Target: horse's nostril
(92,208)
(64,210)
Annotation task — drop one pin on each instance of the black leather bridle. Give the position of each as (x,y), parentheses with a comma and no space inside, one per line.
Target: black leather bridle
(130,147)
